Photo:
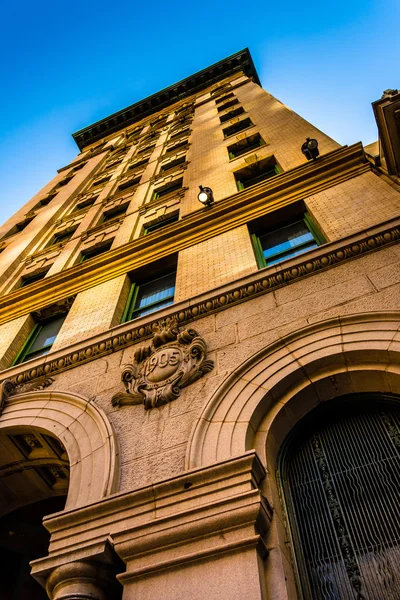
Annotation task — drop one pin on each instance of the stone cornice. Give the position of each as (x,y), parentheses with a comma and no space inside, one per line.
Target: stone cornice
(262,282)
(239,62)
(235,210)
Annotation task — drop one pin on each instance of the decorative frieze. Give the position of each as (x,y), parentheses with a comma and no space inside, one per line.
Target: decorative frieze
(263,283)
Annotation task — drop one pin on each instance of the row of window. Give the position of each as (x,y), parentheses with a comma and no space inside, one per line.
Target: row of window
(150,293)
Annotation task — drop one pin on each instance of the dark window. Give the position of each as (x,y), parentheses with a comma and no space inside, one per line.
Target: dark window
(174,186)
(62,237)
(224,98)
(232,114)
(228,104)
(236,127)
(79,167)
(86,202)
(101,181)
(146,297)
(41,339)
(159,224)
(159,122)
(286,241)
(256,173)
(176,147)
(65,181)
(179,133)
(246,145)
(173,164)
(138,164)
(19,226)
(44,201)
(221,90)
(28,279)
(128,184)
(146,149)
(88,254)
(114,214)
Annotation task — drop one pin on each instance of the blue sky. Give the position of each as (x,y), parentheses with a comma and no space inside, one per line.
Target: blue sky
(65,65)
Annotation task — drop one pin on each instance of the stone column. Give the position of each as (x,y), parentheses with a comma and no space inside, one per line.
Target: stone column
(87,573)
(84,581)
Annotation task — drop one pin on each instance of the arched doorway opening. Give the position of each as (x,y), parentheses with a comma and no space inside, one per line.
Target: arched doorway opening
(339,474)
(34,479)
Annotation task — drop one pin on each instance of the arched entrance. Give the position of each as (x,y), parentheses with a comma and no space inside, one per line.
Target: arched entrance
(34,480)
(339,471)
(57,451)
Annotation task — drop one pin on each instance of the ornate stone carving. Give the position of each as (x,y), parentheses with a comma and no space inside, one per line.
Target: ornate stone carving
(159,371)
(9,388)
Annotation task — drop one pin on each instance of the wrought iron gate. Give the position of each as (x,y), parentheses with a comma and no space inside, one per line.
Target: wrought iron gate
(340,476)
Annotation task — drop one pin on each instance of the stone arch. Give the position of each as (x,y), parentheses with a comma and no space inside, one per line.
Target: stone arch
(258,404)
(83,429)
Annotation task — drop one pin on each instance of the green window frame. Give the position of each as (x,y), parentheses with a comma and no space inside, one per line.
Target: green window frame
(172,187)
(40,339)
(95,252)
(159,224)
(150,296)
(292,239)
(270,169)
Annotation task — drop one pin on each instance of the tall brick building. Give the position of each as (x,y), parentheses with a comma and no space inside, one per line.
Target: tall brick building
(200,391)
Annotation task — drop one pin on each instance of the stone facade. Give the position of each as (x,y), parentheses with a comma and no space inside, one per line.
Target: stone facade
(173,439)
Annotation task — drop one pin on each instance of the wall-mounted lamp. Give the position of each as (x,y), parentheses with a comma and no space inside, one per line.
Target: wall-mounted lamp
(205,196)
(310,149)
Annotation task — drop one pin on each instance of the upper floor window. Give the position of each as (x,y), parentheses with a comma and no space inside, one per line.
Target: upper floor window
(252,142)
(236,127)
(62,237)
(19,226)
(92,252)
(165,190)
(150,295)
(256,173)
(114,214)
(232,114)
(101,181)
(228,104)
(138,164)
(176,147)
(41,338)
(225,98)
(286,240)
(28,279)
(85,202)
(129,184)
(159,224)
(172,164)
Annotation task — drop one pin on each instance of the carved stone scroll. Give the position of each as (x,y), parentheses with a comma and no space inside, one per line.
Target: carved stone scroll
(174,360)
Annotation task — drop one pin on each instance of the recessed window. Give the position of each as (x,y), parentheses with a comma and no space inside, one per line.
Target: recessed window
(286,240)
(232,114)
(138,164)
(236,127)
(228,104)
(92,252)
(256,173)
(223,89)
(101,181)
(150,228)
(145,149)
(151,295)
(114,214)
(44,201)
(41,339)
(168,189)
(86,202)
(62,237)
(79,167)
(65,181)
(252,142)
(173,164)
(19,226)
(179,133)
(177,147)
(129,184)
(28,279)
(225,98)
(159,122)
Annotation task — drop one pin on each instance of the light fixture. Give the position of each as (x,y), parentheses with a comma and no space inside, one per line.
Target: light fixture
(310,149)
(205,196)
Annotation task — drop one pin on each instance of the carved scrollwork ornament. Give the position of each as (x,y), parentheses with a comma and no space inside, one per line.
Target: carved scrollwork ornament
(159,371)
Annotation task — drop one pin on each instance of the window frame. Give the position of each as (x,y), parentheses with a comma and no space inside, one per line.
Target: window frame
(131,309)
(259,251)
(32,337)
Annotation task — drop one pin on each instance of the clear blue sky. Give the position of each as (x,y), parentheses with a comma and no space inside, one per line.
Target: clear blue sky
(65,65)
